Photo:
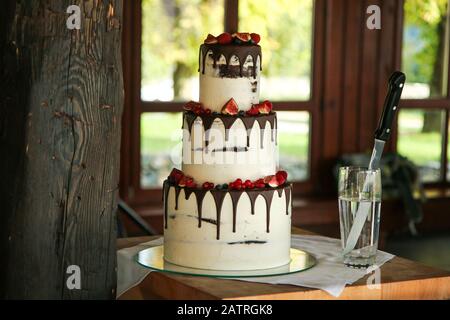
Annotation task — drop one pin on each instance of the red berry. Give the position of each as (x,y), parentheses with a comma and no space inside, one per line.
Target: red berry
(281,177)
(248,184)
(253,111)
(176,175)
(255,37)
(207,111)
(242,36)
(238,181)
(225,38)
(259,181)
(210,39)
(260,185)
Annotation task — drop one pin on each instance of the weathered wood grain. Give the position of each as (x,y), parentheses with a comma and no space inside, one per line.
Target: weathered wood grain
(61,102)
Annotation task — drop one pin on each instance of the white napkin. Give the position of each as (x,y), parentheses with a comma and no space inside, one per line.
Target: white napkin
(329,274)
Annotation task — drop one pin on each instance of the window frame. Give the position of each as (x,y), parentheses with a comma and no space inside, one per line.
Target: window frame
(131,189)
(438,103)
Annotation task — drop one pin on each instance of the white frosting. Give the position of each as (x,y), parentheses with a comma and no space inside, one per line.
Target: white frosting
(215,91)
(188,245)
(205,165)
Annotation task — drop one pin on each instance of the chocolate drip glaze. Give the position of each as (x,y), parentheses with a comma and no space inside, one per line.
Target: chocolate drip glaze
(235,195)
(288,198)
(166,188)
(253,194)
(229,120)
(241,51)
(177,196)
(219,196)
(269,197)
(218,199)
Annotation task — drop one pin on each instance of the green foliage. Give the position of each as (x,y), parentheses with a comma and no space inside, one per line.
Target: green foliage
(421,38)
(173,30)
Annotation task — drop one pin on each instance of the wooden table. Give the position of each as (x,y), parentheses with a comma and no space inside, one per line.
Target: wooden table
(400,279)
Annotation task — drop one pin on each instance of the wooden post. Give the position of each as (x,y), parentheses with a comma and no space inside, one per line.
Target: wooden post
(61,100)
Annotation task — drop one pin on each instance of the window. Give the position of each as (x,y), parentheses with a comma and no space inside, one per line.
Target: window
(170,35)
(423,120)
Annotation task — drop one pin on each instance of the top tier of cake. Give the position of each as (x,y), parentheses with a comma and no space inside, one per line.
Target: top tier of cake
(229,71)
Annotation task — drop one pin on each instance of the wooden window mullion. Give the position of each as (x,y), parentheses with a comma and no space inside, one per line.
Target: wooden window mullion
(231,15)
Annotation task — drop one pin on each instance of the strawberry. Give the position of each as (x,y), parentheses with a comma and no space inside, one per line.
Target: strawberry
(207,111)
(259,181)
(230,107)
(198,110)
(224,38)
(242,36)
(175,176)
(253,111)
(255,38)
(185,181)
(265,107)
(210,39)
(259,185)
(272,181)
(281,177)
(191,105)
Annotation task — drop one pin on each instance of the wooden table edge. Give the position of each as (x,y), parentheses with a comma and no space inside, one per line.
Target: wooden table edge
(351,291)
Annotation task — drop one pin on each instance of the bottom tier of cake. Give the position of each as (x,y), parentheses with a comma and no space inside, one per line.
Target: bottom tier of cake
(227,229)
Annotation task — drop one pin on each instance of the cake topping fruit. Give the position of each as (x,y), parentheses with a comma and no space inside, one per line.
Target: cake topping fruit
(187,181)
(175,176)
(281,177)
(265,107)
(191,105)
(272,181)
(208,185)
(253,111)
(242,36)
(210,39)
(230,107)
(225,38)
(255,38)
(248,184)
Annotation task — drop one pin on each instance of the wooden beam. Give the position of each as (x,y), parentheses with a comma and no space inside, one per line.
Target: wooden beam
(61,103)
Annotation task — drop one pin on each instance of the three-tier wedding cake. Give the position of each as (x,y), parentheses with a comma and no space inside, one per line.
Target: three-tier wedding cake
(229,208)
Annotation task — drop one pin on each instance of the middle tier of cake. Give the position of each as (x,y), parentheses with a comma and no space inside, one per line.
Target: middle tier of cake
(221,148)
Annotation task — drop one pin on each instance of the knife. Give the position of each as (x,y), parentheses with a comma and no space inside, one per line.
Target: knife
(382,134)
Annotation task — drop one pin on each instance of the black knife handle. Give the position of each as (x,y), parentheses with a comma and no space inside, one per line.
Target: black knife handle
(396,84)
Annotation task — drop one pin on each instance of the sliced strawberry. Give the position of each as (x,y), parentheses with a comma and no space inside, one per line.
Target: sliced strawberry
(185,180)
(265,107)
(175,176)
(272,181)
(269,178)
(230,107)
(253,111)
(242,36)
(225,38)
(255,38)
(210,39)
(281,177)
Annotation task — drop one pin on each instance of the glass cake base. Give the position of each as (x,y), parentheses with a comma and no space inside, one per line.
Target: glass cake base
(153,258)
